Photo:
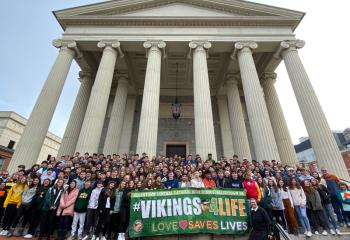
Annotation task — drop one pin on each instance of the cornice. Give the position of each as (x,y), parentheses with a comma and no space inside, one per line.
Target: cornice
(239,21)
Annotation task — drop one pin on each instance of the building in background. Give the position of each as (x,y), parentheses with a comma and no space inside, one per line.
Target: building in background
(11,129)
(306,154)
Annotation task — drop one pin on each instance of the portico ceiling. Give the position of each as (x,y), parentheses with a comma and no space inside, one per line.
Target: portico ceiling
(177,22)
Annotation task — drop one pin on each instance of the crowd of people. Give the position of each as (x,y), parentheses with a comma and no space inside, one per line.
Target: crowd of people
(88,196)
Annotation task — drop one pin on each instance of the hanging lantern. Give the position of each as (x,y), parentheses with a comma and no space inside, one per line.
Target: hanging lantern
(176,106)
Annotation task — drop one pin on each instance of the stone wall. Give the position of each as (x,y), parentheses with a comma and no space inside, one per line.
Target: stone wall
(181,130)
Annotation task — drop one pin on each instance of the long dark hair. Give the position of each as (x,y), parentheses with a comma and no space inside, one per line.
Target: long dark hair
(297,183)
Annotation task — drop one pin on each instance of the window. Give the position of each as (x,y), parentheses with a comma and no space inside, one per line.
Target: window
(11,144)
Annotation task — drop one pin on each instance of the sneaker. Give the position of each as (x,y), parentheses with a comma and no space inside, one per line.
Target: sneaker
(103,238)
(28,236)
(317,233)
(337,231)
(332,232)
(324,233)
(2,232)
(305,233)
(119,236)
(80,237)
(93,237)
(309,234)
(348,224)
(5,232)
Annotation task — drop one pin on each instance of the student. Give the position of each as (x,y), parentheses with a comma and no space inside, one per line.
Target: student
(80,208)
(315,208)
(344,198)
(116,211)
(3,193)
(299,202)
(327,205)
(92,211)
(66,208)
(277,203)
(106,203)
(12,203)
(36,205)
(289,213)
(125,210)
(49,210)
(196,181)
(251,187)
(25,210)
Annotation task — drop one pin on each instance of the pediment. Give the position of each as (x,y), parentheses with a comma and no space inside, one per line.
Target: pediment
(178,12)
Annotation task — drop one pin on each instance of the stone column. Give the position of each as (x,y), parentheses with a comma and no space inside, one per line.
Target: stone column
(203,114)
(321,137)
(238,128)
(279,126)
(117,116)
(148,129)
(263,138)
(128,123)
(91,130)
(225,128)
(71,134)
(33,136)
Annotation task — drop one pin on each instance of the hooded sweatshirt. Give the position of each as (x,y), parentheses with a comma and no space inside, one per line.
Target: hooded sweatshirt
(82,200)
(28,195)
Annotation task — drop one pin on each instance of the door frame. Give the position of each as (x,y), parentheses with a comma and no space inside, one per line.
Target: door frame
(176,143)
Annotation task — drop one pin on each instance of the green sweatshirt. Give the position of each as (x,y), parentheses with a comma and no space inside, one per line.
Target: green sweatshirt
(82,200)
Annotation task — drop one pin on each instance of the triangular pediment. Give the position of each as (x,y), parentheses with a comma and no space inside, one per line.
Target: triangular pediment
(173,12)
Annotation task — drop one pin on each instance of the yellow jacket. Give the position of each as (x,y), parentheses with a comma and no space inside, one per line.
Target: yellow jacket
(14,195)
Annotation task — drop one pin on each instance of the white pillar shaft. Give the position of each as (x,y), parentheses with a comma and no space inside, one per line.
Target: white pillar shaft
(91,130)
(32,139)
(71,134)
(225,128)
(203,114)
(128,122)
(116,120)
(148,128)
(263,138)
(321,137)
(238,128)
(279,126)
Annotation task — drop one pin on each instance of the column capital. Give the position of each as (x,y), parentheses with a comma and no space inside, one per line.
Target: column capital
(232,78)
(68,45)
(289,45)
(85,76)
(155,45)
(243,46)
(123,79)
(203,44)
(111,45)
(269,77)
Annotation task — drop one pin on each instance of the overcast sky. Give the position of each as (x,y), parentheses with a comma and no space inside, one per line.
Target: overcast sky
(28,28)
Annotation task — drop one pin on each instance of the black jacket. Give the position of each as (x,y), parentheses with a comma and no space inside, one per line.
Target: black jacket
(102,200)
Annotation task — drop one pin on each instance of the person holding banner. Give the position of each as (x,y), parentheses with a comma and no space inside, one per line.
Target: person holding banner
(260,222)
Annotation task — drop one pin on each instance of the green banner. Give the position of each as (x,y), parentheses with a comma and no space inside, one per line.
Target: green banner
(181,211)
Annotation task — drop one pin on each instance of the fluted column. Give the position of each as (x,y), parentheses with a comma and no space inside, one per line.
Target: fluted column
(238,128)
(203,114)
(32,139)
(279,126)
(148,128)
(263,138)
(321,137)
(117,116)
(91,130)
(71,134)
(225,128)
(128,123)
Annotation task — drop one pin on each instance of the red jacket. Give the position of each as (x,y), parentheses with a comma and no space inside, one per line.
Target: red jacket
(252,189)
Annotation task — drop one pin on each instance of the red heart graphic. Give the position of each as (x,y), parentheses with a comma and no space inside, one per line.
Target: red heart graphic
(183,224)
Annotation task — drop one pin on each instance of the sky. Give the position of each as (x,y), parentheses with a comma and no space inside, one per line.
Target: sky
(27,29)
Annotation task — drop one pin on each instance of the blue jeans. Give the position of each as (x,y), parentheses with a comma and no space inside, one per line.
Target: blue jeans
(329,211)
(301,212)
(337,207)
